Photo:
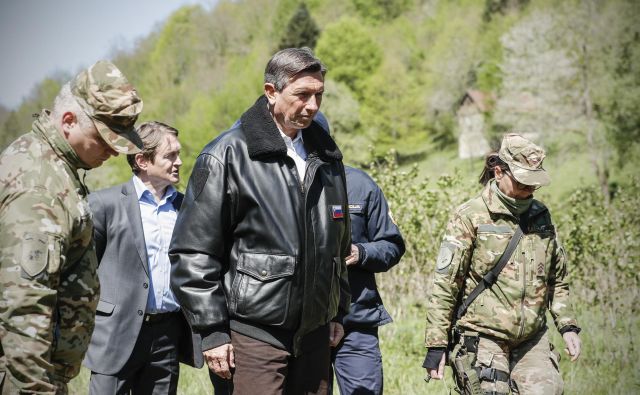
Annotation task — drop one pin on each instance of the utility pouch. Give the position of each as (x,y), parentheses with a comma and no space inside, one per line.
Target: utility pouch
(462,359)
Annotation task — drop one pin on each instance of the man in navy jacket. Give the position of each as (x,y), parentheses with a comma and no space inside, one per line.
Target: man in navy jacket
(377,247)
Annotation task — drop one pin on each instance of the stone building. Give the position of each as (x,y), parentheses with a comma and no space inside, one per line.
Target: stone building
(472,141)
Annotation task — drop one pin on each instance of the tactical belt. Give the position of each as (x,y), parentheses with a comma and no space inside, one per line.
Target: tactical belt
(492,374)
(468,376)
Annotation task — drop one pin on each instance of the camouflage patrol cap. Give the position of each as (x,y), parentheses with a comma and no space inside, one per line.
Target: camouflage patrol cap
(524,159)
(112,103)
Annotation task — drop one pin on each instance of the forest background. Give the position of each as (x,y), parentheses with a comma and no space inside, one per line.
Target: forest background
(398,69)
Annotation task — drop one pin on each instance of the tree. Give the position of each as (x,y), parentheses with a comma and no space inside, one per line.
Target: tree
(301,31)
(538,92)
(392,112)
(568,70)
(381,10)
(349,52)
(19,121)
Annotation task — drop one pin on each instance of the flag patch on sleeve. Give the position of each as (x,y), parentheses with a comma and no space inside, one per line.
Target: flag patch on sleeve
(337,212)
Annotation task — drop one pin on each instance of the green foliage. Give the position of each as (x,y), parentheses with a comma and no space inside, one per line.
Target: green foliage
(391,115)
(620,109)
(451,43)
(284,11)
(441,131)
(501,7)
(381,10)
(19,121)
(603,243)
(302,30)
(349,52)
(171,64)
(421,209)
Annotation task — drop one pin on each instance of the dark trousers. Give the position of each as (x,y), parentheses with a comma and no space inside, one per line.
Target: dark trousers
(153,367)
(357,363)
(264,369)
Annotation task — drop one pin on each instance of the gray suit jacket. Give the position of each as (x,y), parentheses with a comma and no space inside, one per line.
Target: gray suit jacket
(124,282)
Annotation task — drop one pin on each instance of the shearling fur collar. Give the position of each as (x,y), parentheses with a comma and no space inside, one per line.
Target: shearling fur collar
(264,140)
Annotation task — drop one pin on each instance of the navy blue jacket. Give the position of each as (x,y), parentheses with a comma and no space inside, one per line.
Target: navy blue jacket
(380,245)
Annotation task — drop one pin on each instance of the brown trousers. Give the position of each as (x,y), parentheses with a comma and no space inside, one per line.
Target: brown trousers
(264,369)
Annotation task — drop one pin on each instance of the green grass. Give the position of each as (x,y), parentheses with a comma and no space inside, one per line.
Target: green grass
(608,364)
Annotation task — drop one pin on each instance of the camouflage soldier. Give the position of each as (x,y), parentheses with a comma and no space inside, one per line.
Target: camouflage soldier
(501,341)
(49,287)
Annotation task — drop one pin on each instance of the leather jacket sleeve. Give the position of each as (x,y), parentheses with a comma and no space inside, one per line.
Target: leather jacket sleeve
(199,242)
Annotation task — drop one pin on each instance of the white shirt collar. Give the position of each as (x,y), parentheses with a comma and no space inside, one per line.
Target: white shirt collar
(169,194)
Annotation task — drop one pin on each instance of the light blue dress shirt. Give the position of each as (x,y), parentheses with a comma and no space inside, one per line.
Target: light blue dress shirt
(158,221)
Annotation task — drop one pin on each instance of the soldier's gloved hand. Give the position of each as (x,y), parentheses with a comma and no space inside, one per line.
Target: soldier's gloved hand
(573,343)
(438,373)
(220,360)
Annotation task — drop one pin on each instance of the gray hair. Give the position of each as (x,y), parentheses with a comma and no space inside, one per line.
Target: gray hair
(289,62)
(151,134)
(66,102)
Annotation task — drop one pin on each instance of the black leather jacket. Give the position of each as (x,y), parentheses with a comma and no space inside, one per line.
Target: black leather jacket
(253,249)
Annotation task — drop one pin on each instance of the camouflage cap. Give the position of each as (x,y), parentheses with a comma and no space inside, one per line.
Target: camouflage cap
(524,159)
(112,103)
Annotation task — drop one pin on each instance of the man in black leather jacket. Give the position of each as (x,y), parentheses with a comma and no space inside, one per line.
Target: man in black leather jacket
(259,247)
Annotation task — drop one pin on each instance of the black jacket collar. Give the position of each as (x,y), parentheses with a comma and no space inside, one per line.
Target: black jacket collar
(264,140)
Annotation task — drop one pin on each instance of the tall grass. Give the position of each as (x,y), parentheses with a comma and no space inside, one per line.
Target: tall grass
(608,364)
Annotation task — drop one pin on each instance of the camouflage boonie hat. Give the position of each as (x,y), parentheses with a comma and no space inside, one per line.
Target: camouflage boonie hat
(112,103)
(524,159)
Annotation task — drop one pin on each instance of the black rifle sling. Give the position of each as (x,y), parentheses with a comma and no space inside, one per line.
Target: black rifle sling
(490,278)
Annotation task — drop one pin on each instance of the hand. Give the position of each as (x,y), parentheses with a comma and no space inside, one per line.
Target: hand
(354,257)
(61,387)
(573,343)
(438,374)
(220,360)
(336,332)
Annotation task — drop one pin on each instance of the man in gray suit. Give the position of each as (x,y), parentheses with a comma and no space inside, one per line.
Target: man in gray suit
(140,334)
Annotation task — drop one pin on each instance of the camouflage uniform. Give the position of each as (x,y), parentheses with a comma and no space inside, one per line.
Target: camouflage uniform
(510,317)
(48,282)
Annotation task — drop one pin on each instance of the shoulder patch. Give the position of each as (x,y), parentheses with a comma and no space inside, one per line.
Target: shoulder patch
(34,256)
(445,256)
(198,180)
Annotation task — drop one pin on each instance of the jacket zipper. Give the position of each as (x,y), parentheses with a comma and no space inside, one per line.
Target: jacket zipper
(309,175)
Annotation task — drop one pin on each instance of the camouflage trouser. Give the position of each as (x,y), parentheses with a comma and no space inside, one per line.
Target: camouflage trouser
(533,365)
(8,387)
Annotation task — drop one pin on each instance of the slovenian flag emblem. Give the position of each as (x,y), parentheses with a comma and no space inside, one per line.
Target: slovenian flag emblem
(336,212)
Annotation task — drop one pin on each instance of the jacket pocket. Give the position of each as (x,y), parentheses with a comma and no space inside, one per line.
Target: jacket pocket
(105,308)
(334,289)
(484,357)
(264,285)
(554,355)
(541,258)
(491,242)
